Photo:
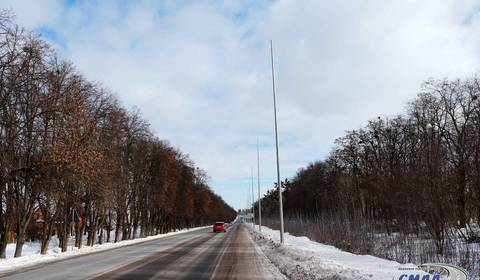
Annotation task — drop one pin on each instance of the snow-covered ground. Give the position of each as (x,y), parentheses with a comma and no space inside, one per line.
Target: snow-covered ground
(302,258)
(31,251)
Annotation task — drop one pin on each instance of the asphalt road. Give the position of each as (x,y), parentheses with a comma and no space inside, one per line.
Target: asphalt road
(198,254)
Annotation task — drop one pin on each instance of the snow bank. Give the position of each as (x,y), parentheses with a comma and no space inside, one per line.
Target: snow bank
(32,257)
(302,258)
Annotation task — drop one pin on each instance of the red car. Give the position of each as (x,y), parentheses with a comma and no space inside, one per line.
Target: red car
(220,226)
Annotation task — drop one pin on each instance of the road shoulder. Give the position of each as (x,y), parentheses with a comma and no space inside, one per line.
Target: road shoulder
(242,259)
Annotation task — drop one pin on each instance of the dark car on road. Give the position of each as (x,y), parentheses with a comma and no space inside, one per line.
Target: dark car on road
(220,226)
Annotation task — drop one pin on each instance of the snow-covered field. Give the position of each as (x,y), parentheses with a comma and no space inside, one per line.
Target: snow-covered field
(31,251)
(301,258)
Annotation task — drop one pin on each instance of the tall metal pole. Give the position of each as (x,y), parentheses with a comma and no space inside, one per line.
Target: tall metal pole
(279,183)
(258,185)
(253,200)
(249,197)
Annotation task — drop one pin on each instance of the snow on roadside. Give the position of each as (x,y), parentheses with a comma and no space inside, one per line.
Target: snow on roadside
(302,258)
(32,257)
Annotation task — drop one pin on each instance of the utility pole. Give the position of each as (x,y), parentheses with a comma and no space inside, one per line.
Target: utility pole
(258,185)
(279,183)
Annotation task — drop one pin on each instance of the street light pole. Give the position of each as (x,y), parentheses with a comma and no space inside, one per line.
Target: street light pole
(276,146)
(247,209)
(253,200)
(258,185)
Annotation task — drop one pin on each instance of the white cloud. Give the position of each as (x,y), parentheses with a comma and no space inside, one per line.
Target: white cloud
(32,13)
(339,55)
(200,72)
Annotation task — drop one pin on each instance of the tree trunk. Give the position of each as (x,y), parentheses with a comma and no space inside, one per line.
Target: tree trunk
(109,226)
(20,242)
(125,229)
(3,230)
(100,237)
(461,197)
(63,236)
(134,231)
(79,234)
(3,243)
(46,237)
(92,232)
(118,227)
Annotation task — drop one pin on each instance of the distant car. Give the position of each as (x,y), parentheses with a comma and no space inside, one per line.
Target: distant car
(220,226)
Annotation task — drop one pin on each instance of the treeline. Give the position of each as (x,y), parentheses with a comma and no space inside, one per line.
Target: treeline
(417,173)
(70,150)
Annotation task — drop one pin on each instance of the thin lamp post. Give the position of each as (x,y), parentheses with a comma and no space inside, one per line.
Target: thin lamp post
(248,203)
(253,200)
(276,146)
(258,185)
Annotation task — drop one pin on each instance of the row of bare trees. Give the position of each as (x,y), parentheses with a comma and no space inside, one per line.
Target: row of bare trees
(415,173)
(68,148)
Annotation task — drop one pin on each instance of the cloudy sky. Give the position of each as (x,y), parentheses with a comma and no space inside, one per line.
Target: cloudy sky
(199,71)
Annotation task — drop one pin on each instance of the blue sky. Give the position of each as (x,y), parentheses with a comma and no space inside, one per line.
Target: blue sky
(199,70)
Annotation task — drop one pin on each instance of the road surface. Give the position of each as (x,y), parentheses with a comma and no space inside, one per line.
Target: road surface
(199,254)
